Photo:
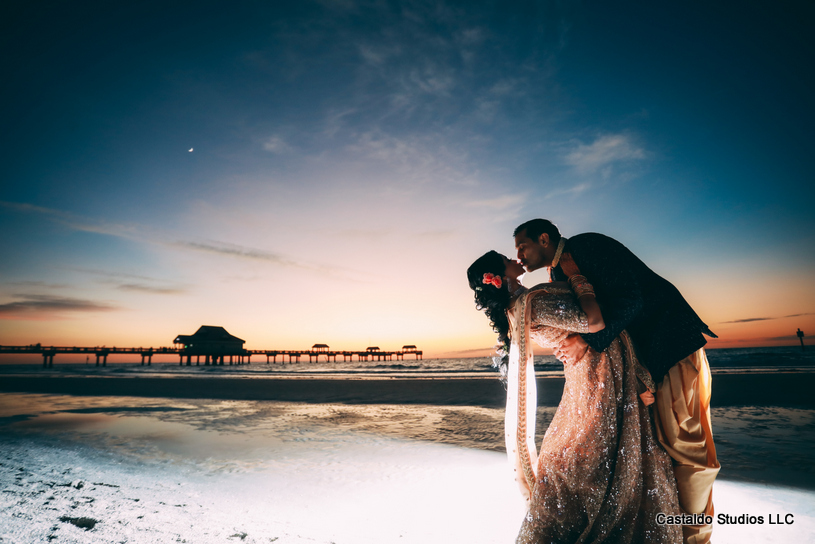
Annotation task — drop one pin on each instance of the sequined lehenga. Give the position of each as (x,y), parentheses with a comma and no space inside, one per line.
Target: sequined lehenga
(601,475)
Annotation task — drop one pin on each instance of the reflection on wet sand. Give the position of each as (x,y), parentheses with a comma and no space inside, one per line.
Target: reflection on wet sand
(759,444)
(148,469)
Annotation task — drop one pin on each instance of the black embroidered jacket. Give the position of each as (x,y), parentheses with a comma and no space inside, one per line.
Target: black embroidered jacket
(632,297)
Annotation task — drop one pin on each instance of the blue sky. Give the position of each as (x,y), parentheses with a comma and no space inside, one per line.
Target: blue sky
(350,159)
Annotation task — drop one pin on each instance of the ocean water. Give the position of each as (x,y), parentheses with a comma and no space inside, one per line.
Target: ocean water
(791,357)
(721,360)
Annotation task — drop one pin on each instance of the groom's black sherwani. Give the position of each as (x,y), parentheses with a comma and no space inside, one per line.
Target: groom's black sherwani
(632,297)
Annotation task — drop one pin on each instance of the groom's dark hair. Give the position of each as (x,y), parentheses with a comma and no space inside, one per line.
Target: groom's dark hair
(535,227)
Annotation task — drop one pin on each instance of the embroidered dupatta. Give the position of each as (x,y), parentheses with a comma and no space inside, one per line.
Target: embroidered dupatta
(522,400)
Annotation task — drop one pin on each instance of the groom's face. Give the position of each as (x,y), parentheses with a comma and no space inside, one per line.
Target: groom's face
(533,254)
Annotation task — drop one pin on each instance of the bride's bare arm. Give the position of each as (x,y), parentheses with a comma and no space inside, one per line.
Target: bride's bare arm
(593,313)
(584,292)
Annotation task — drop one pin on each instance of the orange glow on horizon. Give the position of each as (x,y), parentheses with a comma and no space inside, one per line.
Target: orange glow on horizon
(437,316)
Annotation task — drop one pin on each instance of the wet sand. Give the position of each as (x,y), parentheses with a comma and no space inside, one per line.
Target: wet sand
(163,469)
(789,389)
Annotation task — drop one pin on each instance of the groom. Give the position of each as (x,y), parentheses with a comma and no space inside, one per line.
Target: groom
(667,336)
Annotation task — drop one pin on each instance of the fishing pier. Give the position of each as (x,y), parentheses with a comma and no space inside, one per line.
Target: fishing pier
(214,346)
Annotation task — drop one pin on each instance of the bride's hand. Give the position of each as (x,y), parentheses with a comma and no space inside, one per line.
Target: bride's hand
(572,349)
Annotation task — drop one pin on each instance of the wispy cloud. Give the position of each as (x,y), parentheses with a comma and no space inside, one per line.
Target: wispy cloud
(277,145)
(506,86)
(46,306)
(122,281)
(499,208)
(144,235)
(420,67)
(37,285)
(429,64)
(414,161)
(604,152)
(574,190)
(233,250)
(470,351)
(75,222)
(498,203)
(336,121)
(244,252)
(789,337)
(751,319)
(432,79)
(376,55)
(471,36)
(113,275)
(152,289)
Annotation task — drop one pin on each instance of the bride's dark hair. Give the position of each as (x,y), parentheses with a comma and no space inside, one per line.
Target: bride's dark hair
(493,300)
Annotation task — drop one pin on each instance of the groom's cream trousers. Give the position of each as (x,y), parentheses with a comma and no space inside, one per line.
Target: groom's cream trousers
(683,427)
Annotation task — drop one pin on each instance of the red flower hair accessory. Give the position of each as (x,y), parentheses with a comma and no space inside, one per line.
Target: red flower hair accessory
(492,279)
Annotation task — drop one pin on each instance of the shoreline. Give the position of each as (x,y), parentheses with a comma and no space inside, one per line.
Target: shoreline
(214,471)
(777,388)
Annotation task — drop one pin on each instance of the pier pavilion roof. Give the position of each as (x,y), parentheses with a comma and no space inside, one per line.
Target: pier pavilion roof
(208,335)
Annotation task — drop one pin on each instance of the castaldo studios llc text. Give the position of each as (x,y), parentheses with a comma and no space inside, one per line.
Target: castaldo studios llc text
(724,519)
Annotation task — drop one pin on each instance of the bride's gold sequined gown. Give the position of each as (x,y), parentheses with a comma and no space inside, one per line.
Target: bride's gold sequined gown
(601,475)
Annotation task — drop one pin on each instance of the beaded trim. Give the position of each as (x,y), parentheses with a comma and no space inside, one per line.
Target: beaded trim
(523,446)
(558,252)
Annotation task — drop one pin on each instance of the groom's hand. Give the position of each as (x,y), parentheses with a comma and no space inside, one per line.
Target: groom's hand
(572,349)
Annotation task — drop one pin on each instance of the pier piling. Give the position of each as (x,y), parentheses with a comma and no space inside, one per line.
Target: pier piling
(214,357)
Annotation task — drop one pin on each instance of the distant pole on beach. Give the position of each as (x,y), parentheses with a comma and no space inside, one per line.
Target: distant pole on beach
(800,334)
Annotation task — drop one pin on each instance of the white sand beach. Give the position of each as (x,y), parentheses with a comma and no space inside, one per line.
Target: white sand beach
(122,469)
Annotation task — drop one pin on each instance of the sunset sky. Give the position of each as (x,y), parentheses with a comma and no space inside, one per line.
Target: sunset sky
(303,172)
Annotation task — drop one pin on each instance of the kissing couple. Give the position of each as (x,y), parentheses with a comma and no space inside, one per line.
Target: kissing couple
(631,437)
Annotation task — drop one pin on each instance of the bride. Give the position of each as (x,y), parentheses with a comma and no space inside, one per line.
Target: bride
(600,475)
